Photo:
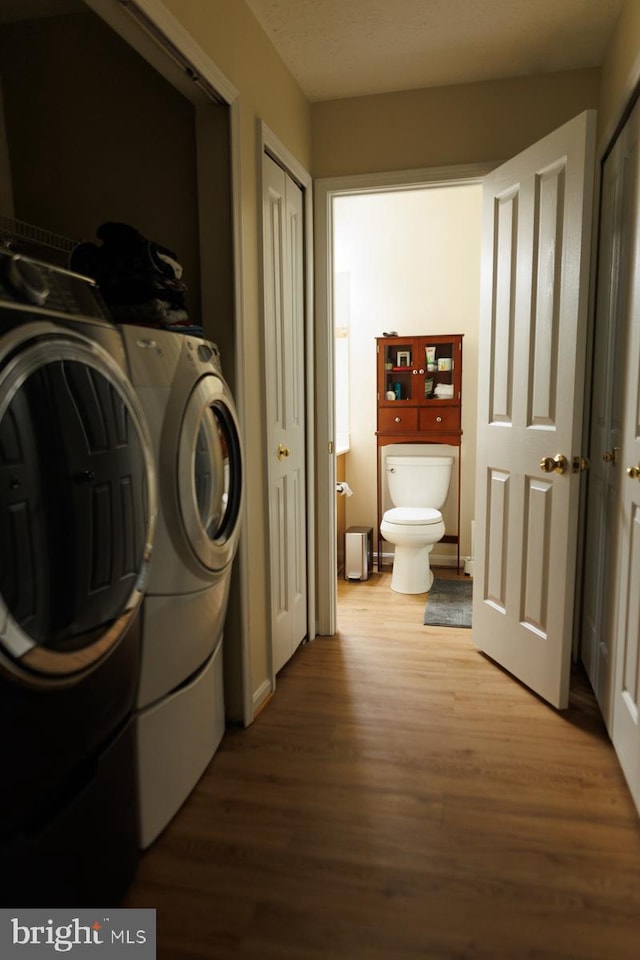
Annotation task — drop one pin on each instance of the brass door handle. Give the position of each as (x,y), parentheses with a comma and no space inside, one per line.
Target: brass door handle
(557,464)
(611,456)
(283,452)
(634,472)
(580,464)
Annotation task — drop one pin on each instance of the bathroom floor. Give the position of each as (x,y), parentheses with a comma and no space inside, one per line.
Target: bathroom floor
(376,592)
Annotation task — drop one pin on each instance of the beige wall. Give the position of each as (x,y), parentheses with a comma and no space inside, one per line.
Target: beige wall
(232,38)
(445,125)
(620,71)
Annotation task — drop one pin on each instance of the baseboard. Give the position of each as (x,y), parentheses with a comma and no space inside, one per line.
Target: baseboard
(436,560)
(261,696)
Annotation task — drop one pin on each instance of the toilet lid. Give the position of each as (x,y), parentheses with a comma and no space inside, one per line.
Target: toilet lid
(413,516)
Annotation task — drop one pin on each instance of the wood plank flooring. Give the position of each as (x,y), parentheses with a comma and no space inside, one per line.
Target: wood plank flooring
(402,797)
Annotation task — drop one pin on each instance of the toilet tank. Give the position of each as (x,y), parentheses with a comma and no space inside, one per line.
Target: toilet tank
(418,481)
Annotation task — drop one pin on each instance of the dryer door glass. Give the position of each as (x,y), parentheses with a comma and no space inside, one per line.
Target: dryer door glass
(210,474)
(216,472)
(74,505)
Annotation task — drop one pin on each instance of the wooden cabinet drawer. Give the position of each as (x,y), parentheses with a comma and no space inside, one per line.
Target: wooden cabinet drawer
(397,420)
(435,419)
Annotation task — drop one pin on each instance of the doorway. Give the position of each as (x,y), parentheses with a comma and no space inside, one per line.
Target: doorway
(405,259)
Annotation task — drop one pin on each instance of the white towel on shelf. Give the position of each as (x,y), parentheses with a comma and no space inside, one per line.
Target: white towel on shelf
(444,391)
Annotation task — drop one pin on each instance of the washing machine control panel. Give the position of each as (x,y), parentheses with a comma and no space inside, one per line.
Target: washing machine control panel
(29,282)
(205,353)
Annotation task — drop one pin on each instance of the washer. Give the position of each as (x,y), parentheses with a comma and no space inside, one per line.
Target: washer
(77,514)
(196,442)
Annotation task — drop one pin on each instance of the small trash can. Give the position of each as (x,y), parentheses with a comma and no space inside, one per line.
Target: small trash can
(358,553)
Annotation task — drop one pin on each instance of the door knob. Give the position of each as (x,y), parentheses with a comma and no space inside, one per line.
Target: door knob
(634,472)
(283,452)
(611,456)
(557,464)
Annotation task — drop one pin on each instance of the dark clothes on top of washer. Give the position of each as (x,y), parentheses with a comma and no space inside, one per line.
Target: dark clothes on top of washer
(140,280)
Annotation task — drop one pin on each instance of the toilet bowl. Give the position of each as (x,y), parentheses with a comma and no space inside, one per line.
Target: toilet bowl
(418,486)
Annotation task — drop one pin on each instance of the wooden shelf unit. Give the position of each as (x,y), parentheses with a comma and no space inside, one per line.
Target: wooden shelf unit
(419,400)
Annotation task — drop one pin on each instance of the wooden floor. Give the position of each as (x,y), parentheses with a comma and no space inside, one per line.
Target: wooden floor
(402,797)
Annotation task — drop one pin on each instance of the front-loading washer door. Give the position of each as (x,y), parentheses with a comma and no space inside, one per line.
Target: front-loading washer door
(210,473)
(77,507)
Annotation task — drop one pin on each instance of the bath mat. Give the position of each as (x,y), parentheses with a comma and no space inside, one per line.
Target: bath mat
(449,603)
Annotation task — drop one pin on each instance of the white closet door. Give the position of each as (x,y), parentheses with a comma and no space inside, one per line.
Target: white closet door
(285,393)
(626,718)
(607,403)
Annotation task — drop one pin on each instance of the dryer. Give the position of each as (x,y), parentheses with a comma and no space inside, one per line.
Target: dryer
(196,442)
(77,514)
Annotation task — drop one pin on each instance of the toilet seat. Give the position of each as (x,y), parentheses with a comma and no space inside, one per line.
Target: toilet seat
(413,516)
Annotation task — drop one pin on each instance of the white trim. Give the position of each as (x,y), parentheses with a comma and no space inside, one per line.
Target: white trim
(325,413)
(241,401)
(325,191)
(269,143)
(124,22)
(261,694)
(390,181)
(121,13)
(435,560)
(184,41)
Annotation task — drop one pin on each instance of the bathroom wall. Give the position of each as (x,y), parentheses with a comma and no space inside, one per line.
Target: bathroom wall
(413,262)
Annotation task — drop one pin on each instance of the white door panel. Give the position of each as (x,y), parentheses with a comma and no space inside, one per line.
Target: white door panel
(532,339)
(626,722)
(284,363)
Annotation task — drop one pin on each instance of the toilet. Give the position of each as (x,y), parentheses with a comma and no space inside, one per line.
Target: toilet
(418,487)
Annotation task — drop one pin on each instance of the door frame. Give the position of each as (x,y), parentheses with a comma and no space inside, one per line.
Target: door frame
(326,190)
(267,142)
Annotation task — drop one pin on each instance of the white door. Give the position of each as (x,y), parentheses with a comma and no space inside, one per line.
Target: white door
(532,343)
(284,365)
(626,723)
(600,588)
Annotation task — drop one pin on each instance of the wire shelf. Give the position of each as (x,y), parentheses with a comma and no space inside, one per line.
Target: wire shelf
(35,241)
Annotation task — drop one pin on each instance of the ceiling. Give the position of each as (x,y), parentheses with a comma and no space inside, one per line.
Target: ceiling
(352,48)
